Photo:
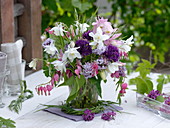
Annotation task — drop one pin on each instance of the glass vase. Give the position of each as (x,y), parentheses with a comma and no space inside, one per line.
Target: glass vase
(154,106)
(87,96)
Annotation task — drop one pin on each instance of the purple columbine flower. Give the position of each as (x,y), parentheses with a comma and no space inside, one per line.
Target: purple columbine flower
(85,49)
(167,101)
(153,94)
(108,116)
(88,115)
(112,53)
(86,35)
(120,72)
(47,42)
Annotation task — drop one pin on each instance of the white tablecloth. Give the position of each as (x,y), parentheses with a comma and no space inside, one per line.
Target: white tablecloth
(28,118)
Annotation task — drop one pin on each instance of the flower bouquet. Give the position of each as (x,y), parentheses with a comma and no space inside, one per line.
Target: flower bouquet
(81,56)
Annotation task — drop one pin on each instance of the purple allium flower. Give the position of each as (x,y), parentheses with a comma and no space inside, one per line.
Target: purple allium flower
(85,49)
(112,53)
(88,115)
(167,101)
(86,35)
(153,94)
(47,42)
(108,116)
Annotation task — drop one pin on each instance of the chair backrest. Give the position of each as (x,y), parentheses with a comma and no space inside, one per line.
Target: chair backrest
(21,19)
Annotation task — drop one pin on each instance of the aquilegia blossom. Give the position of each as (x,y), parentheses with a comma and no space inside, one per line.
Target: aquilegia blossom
(167,101)
(108,116)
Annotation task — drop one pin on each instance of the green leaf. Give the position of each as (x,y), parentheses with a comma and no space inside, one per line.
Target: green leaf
(144,68)
(69,81)
(82,6)
(16,105)
(51,4)
(6,123)
(160,98)
(160,86)
(141,86)
(73,93)
(132,81)
(75,87)
(80,81)
(97,83)
(149,85)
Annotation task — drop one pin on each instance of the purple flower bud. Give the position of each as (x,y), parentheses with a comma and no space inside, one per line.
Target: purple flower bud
(153,94)
(167,101)
(108,116)
(88,115)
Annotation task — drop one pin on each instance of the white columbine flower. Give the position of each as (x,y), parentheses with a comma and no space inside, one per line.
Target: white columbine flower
(59,65)
(72,44)
(50,49)
(58,30)
(98,38)
(112,67)
(81,27)
(126,44)
(71,54)
(33,63)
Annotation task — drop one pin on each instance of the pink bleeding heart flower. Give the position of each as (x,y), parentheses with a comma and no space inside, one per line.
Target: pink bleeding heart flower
(116,74)
(45,90)
(69,73)
(78,70)
(49,88)
(55,79)
(124,85)
(40,90)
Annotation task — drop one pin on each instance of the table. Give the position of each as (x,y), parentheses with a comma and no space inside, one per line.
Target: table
(134,118)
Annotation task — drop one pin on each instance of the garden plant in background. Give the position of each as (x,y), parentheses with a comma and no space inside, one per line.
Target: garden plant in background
(82,55)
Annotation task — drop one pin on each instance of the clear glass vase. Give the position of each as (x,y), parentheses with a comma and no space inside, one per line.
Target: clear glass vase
(87,96)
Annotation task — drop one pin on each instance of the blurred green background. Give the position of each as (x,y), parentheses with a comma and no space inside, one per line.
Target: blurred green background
(147,20)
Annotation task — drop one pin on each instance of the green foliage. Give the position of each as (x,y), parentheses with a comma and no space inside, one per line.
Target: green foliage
(143,83)
(144,68)
(6,123)
(16,105)
(100,106)
(93,81)
(147,20)
(75,82)
(164,77)
(160,98)
(64,10)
